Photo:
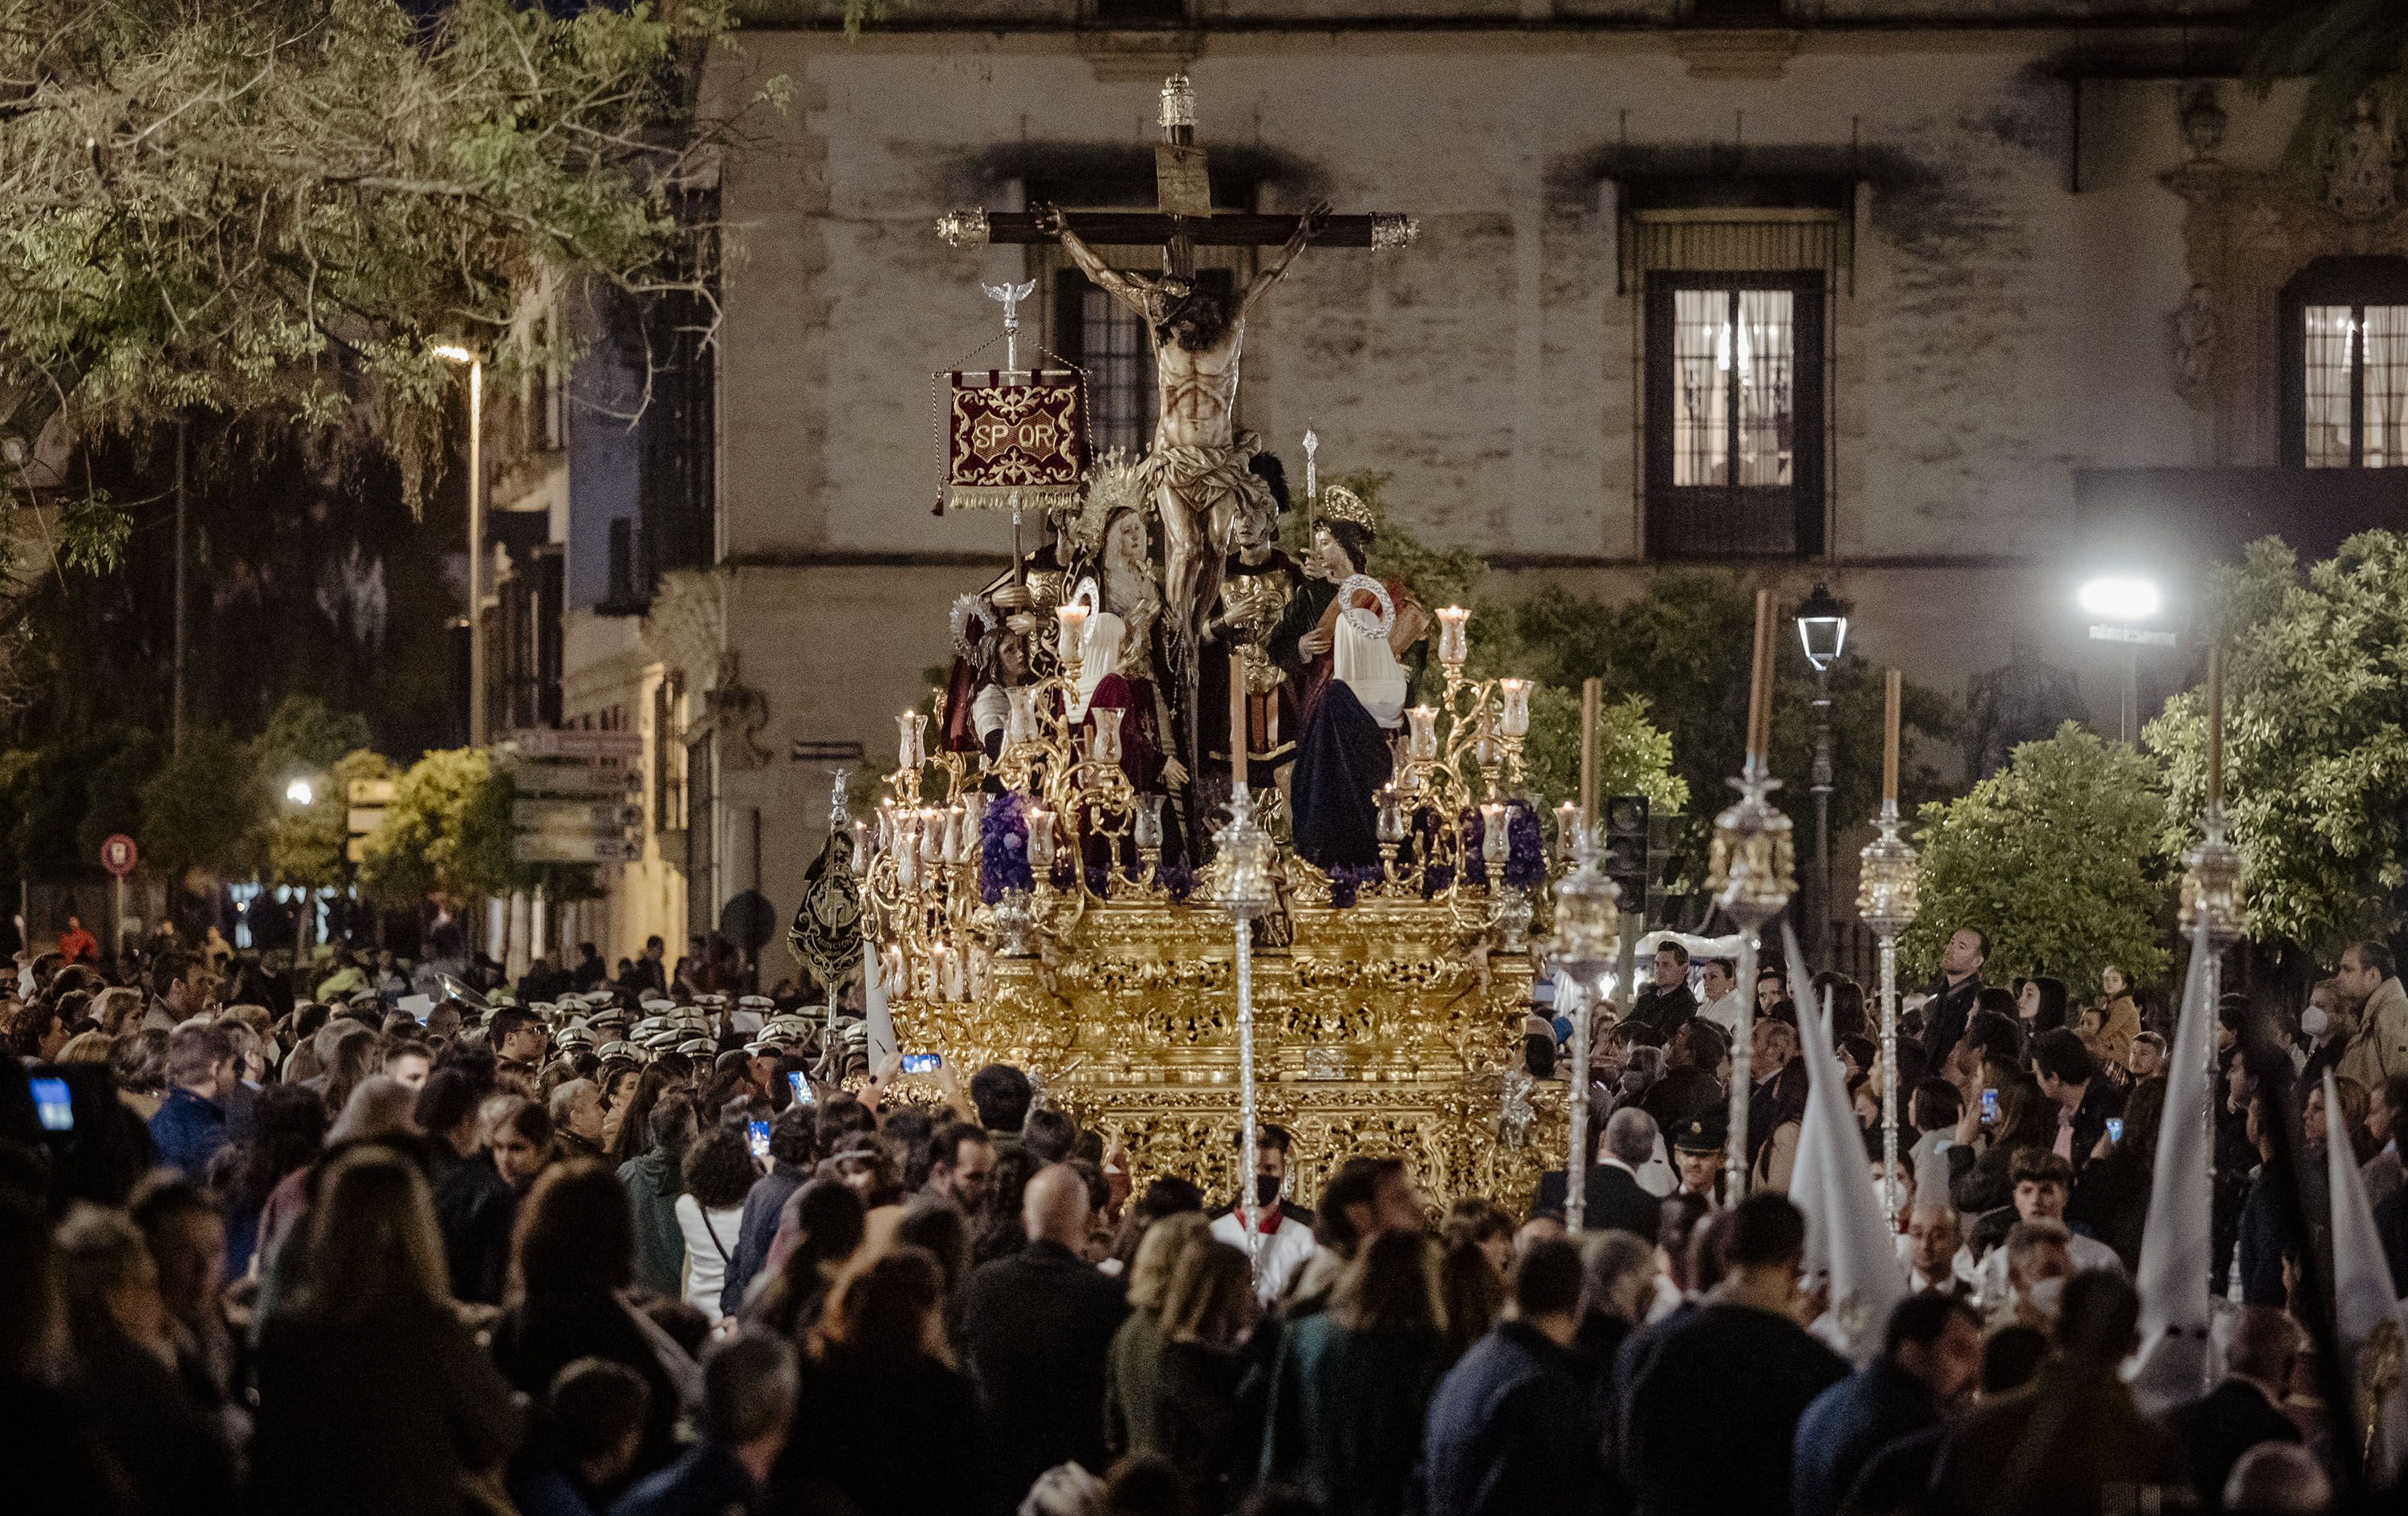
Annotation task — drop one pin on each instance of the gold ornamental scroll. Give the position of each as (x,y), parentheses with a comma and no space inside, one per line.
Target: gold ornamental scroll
(1389,1028)
(1015,446)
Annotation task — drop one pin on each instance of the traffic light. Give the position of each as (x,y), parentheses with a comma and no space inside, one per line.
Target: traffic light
(1626,850)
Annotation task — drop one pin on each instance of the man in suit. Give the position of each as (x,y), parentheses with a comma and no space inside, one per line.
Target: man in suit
(1036,1327)
(2247,1407)
(1931,1351)
(1951,1005)
(1613,1198)
(1665,1005)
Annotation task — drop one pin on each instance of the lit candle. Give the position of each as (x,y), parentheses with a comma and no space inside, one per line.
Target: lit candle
(1453,646)
(1567,828)
(1423,743)
(1592,695)
(958,834)
(932,835)
(860,848)
(909,751)
(1392,818)
(1149,823)
(1240,740)
(1104,743)
(1760,683)
(1890,691)
(886,825)
(1072,622)
(1513,718)
(1021,725)
(2215,727)
(1493,841)
(1040,841)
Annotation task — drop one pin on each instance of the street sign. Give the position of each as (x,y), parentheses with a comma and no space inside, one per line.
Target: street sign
(371,792)
(570,848)
(551,777)
(580,745)
(361,819)
(2133,635)
(573,815)
(119,854)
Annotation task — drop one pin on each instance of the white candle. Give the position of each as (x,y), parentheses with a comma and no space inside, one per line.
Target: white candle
(1104,745)
(957,835)
(907,747)
(1493,841)
(1513,719)
(860,848)
(1453,645)
(932,835)
(1423,742)
(1040,841)
(1072,624)
(1567,828)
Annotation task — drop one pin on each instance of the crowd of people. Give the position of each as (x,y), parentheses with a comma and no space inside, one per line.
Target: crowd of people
(638,1249)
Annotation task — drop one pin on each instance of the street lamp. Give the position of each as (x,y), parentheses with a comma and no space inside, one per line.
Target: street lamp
(454,354)
(2119,601)
(1823,632)
(299,792)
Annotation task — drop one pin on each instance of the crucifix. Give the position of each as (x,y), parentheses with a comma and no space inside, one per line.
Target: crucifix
(1197,468)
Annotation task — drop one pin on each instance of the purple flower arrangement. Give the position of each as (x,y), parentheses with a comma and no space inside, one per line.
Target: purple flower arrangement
(1525,853)
(1003,848)
(1347,880)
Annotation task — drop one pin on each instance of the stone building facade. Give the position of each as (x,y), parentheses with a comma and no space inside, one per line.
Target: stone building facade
(1944,305)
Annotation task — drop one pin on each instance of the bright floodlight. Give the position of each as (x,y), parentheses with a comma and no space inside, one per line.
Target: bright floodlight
(453,352)
(299,792)
(2121,598)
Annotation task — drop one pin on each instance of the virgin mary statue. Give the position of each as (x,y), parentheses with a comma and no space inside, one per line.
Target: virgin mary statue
(1358,665)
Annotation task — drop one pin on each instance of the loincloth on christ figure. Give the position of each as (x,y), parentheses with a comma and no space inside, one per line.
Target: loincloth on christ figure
(1214,482)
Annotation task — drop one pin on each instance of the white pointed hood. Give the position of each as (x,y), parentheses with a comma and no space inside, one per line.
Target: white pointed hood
(2372,1325)
(1832,1183)
(2174,1364)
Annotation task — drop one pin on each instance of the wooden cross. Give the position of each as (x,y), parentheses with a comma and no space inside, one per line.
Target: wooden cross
(1183,219)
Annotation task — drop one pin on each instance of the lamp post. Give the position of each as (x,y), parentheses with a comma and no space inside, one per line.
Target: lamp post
(1823,632)
(299,792)
(2120,601)
(455,354)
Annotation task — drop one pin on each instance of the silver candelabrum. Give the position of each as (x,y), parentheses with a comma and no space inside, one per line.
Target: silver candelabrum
(1588,918)
(1754,872)
(1886,878)
(1249,890)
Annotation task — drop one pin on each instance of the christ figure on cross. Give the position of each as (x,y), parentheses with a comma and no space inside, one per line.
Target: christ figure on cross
(1202,489)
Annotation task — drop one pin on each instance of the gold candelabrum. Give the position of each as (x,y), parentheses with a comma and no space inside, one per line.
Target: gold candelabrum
(1389,1026)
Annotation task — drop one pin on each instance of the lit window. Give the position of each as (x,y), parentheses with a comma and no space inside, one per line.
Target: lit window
(2355,385)
(1734,407)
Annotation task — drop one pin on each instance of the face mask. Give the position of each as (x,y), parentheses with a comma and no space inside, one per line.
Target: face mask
(2315,1022)
(2046,1295)
(1266,1188)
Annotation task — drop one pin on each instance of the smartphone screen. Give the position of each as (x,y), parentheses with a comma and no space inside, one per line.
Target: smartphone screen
(1989,1108)
(53,1106)
(2114,1128)
(757,1133)
(800,1083)
(920,1063)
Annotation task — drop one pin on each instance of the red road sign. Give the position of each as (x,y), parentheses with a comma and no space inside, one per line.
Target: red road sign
(119,855)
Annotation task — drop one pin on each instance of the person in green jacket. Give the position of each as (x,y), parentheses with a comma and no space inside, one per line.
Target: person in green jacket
(653,1179)
(1133,1369)
(1351,1386)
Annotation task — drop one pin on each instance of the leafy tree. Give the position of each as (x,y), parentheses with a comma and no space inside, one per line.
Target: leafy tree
(276,209)
(305,737)
(203,810)
(2315,739)
(310,845)
(1634,756)
(439,834)
(2059,858)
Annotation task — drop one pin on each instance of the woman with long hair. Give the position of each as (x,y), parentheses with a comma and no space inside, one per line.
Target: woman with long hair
(1351,1386)
(372,1394)
(884,1418)
(1473,1294)
(634,1134)
(2026,1119)
(2041,1003)
(718,1172)
(819,1231)
(2113,1202)
(353,1060)
(1208,1310)
(572,1260)
(1133,1365)
(289,1128)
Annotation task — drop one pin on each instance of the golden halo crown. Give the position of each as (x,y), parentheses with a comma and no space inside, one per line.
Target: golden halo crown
(1340,503)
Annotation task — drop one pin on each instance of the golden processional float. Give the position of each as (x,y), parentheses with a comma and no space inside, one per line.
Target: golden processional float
(1172,1009)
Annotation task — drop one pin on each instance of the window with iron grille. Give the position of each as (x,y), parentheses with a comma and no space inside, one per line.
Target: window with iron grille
(1735,430)
(2345,381)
